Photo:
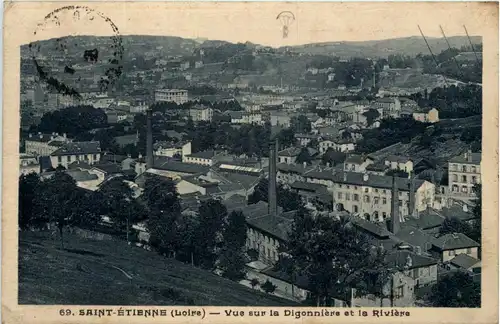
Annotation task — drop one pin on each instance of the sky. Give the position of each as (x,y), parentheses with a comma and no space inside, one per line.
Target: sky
(256,21)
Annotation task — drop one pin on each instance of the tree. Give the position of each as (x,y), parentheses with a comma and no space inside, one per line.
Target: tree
(477,212)
(209,235)
(313,143)
(164,212)
(118,203)
(268,287)
(56,202)
(233,259)
(333,157)
(254,283)
(457,289)
(454,225)
(286,137)
(300,124)
(336,257)
(304,156)
(28,189)
(371,116)
(287,199)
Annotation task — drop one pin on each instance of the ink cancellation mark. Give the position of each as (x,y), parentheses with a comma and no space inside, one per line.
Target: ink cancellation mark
(65,63)
(286,18)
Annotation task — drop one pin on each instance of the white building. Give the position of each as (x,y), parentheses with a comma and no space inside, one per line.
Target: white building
(172,149)
(171,95)
(201,113)
(44,144)
(90,152)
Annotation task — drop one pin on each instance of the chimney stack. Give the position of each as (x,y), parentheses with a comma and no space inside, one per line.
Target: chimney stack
(272,199)
(395,221)
(469,156)
(411,195)
(149,139)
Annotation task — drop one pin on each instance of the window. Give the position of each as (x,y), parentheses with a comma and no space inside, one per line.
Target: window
(384,215)
(454,167)
(59,159)
(400,203)
(464,168)
(399,292)
(355,197)
(464,179)
(95,156)
(451,253)
(473,179)
(384,201)
(348,187)
(469,251)
(355,187)
(68,158)
(339,195)
(383,191)
(375,200)
(355,208)
(376,190)
(455,178)
(347,196)
(366,199)
(366,189)
(465,189)
(473,169)
(415,273)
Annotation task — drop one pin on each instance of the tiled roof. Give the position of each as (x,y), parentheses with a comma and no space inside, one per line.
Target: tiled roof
(108,168)
(292,168)
(203,155)
(355,158)
(74,148)
(400,259)
(464,261)
(291,151)
(308,186)
(415,237)
(81,175)
(457,211)
(381,167)
(278,226)
(398,158)
(235,114)
(475,159)
(372,228)
(427,219)
(175,166)
(454,241)
(311,136)
(114,158)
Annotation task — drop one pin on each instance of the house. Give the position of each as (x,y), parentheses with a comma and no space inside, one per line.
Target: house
(391,107)
(403,163)
(44,144)
(357,163)
(115,116)
(171,149)
(422,269)
(465,262)
(167,167)
(243,117)
(202,158)
(447,246)
(89,152)
(171,95)
(370,195)
(28,164)
(201,113)
(426,115)
(464,171)
(289,155)
(195,184)
(104,170)
(125,140)
(305,139)
(337,144)
(280,119)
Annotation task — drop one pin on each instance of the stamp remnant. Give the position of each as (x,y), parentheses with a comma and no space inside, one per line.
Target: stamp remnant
(286,18)
(78,55)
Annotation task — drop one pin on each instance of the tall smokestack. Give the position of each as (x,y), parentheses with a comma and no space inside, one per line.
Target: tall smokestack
(395,221)
(411,195)
(273,205)
(149,139)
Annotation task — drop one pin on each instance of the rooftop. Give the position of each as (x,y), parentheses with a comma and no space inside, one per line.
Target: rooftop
(430,218)
(291,151)
(401,259)
(74,148)
(356,158)
(299,185)
(175,166)
(454,241)
(473,158)
(203,155)
(464,261)
(278,226)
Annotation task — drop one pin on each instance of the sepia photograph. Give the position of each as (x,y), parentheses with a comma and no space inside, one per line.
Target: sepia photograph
(275,159)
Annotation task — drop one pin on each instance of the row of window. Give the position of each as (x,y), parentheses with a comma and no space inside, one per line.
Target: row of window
(84,157)
(463,179)
(452,252)
(464,168)
(463,189)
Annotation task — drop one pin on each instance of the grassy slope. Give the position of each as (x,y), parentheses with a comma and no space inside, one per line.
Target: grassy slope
(84,274)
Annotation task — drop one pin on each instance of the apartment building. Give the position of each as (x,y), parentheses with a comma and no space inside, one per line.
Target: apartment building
(464,171)
(369,195)
(171,95)
(201,113)
(44,144)
(90,152)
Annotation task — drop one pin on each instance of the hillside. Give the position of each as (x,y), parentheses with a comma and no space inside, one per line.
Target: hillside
(382,48)
(90,272)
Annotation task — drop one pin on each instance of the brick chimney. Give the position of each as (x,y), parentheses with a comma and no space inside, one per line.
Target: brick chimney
(395,221)
(272,199)
(149,139)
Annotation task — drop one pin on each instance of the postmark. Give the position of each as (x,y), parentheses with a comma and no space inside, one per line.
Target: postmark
(76,63)
(286,18)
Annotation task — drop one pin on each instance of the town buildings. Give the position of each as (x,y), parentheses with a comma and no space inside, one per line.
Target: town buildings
(171,95)
(426,115)
(201,113)
(44,144)
(464,171)
(89,152)
(172,149)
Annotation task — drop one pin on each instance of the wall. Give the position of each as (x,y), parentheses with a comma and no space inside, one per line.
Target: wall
(401,283)
(65,160)
(267,246)
(455,177)
(472,252)
(185,187)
